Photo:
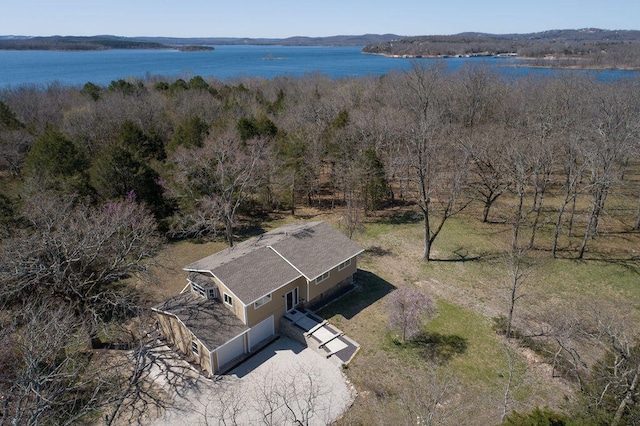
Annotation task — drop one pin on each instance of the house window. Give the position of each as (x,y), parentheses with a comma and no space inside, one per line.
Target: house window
(262,301)
(322,277)
(212,293)
(194,347)
(344,265)
(228,299)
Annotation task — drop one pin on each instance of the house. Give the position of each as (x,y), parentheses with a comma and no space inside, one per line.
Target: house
(234,299)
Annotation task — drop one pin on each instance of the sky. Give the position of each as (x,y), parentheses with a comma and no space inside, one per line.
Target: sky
(314,18)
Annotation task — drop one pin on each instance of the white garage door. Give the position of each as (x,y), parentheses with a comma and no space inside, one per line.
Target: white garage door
(230,350)
(261,331)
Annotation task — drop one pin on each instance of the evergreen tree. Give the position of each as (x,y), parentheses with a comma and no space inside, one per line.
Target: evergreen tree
(250,128)
(291,153)
(55,162)
(8,120)
(375,189)
(178,86)
(147,145)
(122,86)
(91,90)
(198,82)
(190,133)
(119,173)
(124,168)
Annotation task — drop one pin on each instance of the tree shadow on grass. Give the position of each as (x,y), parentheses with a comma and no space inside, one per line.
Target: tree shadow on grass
(462,255)
(368,288)
(400,218)
(439,347)
(631,264)
(621,259)
(377,251)
(248,230)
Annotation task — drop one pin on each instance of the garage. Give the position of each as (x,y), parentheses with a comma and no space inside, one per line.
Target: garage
(263,330)
(230,350)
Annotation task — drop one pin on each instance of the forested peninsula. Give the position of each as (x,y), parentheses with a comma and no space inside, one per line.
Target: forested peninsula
(583,48)
(87,43)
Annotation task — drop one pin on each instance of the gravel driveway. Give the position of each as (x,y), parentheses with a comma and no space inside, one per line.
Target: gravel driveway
(284,383)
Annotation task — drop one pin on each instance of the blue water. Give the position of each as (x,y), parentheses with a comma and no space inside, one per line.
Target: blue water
(225,63)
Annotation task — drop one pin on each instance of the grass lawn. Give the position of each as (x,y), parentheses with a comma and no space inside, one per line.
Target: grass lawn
(469,279)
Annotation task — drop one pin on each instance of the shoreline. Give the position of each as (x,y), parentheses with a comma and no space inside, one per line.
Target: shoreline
(101,49)
(528,62)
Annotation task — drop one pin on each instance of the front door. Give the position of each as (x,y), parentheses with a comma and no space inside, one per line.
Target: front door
(292,299)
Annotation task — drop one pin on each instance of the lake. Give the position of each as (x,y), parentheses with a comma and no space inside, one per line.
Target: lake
(225,63)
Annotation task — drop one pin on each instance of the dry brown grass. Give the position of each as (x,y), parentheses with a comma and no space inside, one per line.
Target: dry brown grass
(167,276)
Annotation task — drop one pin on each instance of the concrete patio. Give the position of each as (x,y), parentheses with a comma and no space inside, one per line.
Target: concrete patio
(316,333)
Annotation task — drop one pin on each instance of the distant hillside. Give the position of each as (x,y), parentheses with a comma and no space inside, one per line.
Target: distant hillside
(584,48)
(339,40)
(203,43)
(72,43)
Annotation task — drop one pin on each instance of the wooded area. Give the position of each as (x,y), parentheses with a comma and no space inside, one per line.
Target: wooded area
(588,48)
(94,181)
(75,43)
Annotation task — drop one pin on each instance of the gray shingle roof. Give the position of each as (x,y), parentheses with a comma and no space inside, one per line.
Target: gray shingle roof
(262,264)
(209,320)
(316,249)
(255,274)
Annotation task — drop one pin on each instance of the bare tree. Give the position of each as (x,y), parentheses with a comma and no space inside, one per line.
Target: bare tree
(230,404)
(438,166)
(574,166)
(47,373)
(486,150)
(407,307)
(214,181)
(427,397)
(294,395)
(520,161)
(597,346)
(478,89)
(509,385)
(50,376)
(566,329)
(77,254)
(614,131)
(352,219)
(519,270)
(131,393)
(267,402)
(544,153)
(615,378)
(637,225)
(14,146)
(300,398)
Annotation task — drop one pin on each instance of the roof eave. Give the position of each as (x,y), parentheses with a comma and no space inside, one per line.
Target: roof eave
(274,290)
(335,266)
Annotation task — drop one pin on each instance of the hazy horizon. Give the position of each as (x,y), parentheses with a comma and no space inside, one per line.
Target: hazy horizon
(289,18)
(302,35)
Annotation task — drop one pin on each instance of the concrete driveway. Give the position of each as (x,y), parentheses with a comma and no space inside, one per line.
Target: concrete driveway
(284,383)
